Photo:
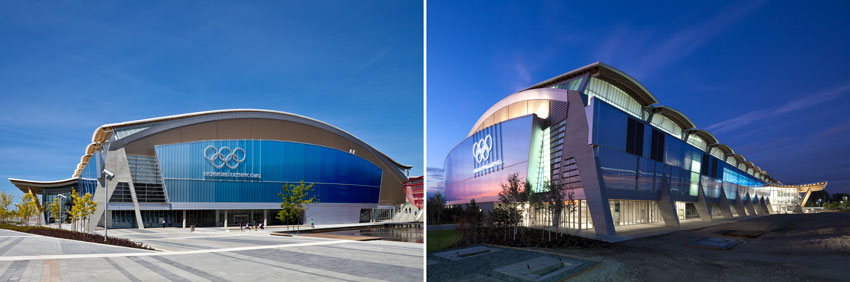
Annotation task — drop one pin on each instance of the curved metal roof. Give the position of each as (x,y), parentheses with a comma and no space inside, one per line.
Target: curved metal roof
(817,186)
(635,90)
(723,147)
(525,95)
(608,74)
(740,158)
(705,135)
(676,116)
(102,133)
(36,186)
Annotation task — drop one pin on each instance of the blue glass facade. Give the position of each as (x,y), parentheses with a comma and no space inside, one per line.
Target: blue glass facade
(466,178)
(686,168)
(89,175)
(255,171)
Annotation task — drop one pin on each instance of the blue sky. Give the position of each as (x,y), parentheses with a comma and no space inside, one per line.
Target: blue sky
(769,79)
(67,68)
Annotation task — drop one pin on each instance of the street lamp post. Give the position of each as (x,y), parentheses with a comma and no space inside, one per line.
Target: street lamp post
(61,212)
(107,175)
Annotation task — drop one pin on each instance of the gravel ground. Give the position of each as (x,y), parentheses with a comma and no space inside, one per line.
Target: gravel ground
(802,247)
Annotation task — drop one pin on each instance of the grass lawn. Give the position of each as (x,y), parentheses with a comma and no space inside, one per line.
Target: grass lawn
(441,239)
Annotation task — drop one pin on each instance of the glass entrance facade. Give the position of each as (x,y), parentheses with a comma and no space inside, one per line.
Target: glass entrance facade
(629,212)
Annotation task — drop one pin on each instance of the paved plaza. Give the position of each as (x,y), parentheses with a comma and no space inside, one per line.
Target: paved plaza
(207,255)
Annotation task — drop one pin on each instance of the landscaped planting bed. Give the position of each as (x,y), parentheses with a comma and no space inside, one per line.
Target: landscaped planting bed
(73,235)
(526,237)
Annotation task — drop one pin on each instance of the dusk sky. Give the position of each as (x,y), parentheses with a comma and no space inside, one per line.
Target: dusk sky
(769,79)
(67,68)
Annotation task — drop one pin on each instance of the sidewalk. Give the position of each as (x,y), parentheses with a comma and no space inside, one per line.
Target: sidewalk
(629,232)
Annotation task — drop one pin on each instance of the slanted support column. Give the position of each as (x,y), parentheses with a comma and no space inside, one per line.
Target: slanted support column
(757,206)
(806,198)
(225,218)
(739,207)
(763,206)
(184,218)
(725,210)
(577,145)
(702,206)
(265,218)
(769,206)
(136,209)
(116,162)
(749,205)
(667,207)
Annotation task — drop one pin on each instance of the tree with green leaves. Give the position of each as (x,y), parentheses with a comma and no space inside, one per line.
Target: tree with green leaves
(55,209)
(557,203)
(295,200)
(5,201)
(515,193)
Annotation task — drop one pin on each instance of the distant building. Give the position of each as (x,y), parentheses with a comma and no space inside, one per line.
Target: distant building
(627,159)
(227,167)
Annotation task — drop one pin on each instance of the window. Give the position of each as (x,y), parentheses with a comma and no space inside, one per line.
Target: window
(634,137)
(613,95)
(571,84)
(656,152)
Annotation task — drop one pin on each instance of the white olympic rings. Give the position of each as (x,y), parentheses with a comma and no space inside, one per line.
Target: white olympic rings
(228,157)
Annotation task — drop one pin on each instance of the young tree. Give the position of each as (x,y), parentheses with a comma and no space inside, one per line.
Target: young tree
(28,208)
(5,201)
(81,210)
(473,216)
(16,214)
(571,205)
(295,200)
(55,211)
(514,194)
(89,207)
(76,209)
(537,202)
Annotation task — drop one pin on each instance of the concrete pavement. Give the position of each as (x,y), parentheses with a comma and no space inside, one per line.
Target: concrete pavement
(207,256)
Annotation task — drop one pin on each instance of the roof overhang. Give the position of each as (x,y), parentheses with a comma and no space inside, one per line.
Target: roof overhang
(740,158)
(802,188)
(101,134)
(38,186)
(705,135)
(676,116)
(525,95)
(723,147)
(608,74)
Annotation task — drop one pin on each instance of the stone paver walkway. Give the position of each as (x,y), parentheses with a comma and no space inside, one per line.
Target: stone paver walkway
(207,256)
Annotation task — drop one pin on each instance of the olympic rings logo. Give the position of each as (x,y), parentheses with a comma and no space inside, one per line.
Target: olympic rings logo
(481,149)
(224,156)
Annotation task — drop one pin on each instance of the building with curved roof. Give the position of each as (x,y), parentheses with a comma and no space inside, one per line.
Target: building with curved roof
(625,158)
(226,167)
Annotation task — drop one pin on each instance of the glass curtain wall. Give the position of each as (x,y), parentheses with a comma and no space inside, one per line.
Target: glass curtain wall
(686,211)
(629,212)
(685,167)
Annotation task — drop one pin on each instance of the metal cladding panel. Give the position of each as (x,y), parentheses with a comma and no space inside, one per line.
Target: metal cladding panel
(476,174)
(255,171)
